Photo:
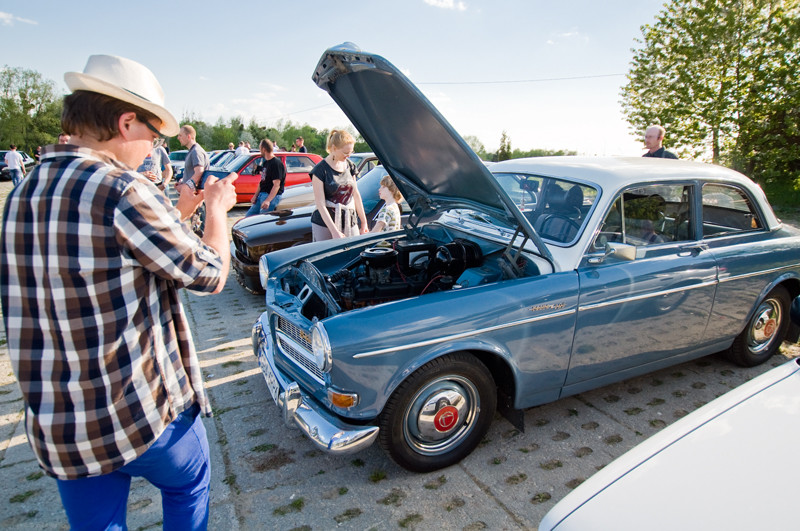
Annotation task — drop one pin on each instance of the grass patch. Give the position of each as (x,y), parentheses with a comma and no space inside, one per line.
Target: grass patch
(19,498)
(378,475)
(263,447)
(294,507)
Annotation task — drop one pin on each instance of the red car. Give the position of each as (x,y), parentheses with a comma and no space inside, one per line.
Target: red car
(297,167)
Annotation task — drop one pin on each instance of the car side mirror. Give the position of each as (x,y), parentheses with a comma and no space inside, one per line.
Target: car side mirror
(623,251)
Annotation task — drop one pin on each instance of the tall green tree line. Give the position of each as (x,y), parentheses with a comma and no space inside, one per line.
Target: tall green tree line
(30,109)
(722,77)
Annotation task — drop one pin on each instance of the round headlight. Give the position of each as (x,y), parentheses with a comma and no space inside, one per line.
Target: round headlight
(321,347)
(263,272)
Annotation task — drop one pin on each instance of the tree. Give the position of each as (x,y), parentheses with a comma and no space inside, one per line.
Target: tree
(504,151)
(30,109)
(721,77)
(476,145)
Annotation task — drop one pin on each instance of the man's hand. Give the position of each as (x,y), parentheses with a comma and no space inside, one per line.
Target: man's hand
(220,194)
(188,201)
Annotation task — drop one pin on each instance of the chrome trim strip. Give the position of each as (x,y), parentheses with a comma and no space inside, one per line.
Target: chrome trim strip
(646,296)
(756,273)
(463,334)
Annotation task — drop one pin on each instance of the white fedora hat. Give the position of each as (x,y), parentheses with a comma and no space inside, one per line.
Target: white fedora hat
(124,80)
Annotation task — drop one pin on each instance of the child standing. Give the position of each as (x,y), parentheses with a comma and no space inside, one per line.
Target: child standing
(389,216)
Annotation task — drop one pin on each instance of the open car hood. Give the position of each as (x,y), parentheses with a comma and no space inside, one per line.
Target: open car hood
(430,162)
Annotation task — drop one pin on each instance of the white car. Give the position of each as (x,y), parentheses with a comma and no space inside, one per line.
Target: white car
(728,466)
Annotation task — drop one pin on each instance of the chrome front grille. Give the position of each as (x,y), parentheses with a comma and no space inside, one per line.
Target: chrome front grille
(295,343)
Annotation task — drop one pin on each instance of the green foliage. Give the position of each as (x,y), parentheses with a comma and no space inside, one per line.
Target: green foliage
(504,151)
(30,109)
(284,133)
(721,77)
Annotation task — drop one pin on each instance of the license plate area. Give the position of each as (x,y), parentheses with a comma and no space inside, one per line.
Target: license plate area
(269,377)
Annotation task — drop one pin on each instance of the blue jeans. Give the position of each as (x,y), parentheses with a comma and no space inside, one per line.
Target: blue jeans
(177,463)
(255,208)
(16,176)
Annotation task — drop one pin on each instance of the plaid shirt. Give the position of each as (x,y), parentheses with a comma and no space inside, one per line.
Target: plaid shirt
(92,259)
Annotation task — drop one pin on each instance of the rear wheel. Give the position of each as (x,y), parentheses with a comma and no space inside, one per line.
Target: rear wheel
(439,414)
(764,333)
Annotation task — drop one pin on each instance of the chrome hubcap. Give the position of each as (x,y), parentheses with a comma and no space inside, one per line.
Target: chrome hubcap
(765,325)
(441,415)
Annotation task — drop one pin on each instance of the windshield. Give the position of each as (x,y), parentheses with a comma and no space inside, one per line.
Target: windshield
(236,163)
(177,156)
(557,208)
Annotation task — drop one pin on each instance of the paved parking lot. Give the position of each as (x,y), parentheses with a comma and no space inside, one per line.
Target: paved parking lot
(267,476)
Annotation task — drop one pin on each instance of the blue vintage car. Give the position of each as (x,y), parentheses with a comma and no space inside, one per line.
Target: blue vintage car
(587,272)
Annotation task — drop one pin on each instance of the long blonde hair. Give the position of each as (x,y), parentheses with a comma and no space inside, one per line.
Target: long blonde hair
(337,139)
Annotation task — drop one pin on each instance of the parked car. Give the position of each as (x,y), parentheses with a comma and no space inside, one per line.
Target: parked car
(248,167)
(177,159)
(698,466)
(364,162)
(220,157)
(589,272)
(27,161)
(253,236)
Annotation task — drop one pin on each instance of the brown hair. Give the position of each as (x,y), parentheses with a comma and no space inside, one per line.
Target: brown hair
(266,145)
(338,138)
(97,115)
(387,181)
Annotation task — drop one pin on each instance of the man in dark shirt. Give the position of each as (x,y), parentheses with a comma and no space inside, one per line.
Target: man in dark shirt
(299,146)
(653,138)
(270,189)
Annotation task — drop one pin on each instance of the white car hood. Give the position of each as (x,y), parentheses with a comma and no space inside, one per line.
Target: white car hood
(729,465)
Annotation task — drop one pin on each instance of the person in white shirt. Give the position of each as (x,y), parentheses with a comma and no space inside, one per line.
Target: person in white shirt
(16,164)
(242,149)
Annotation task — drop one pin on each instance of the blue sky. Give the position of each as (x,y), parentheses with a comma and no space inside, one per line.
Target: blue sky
(548,73)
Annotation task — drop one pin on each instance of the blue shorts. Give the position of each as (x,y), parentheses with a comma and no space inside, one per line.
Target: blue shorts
(177,463)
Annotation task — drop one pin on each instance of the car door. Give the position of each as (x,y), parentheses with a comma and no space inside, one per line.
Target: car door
(750,258)
(297,169)
(635,314)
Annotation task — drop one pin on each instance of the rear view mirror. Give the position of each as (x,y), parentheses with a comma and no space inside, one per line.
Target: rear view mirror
(622,251)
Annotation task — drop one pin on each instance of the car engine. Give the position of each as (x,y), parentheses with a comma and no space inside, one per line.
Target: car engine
(413,267)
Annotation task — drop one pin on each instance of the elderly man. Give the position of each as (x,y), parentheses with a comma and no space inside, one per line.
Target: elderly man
(93,256)
(653,138)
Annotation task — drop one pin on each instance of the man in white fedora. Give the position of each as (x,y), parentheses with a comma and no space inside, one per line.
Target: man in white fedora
(93,256)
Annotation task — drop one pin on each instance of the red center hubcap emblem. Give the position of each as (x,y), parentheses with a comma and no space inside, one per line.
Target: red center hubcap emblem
(445,418)
(769,328)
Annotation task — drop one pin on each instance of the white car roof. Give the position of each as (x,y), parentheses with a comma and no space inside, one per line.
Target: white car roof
(613,174)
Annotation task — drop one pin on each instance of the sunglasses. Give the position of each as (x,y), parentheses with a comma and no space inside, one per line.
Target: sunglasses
(159,138)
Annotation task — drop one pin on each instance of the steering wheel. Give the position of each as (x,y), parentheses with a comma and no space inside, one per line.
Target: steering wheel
(556,215)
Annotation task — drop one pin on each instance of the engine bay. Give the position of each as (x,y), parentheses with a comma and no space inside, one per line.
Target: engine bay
(402,268)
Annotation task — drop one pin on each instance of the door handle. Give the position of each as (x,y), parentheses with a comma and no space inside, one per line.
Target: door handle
(692,249)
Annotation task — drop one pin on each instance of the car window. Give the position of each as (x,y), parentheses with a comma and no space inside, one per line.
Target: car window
(649,215)
(727,209)
(299,164)
(522,189)
(252,166)
(177,156)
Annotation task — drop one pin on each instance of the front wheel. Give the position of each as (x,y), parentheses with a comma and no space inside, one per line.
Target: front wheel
(439,414)
(764,333)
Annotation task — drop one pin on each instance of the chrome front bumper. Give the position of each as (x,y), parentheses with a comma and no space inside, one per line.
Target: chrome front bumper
(325,430)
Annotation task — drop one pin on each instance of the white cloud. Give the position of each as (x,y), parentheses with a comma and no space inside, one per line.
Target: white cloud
(447,4)
(7,19)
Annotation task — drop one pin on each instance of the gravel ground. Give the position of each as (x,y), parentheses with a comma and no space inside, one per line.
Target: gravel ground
(268,476)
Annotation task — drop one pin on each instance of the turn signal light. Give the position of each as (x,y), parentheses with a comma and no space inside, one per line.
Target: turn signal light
(342,400)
